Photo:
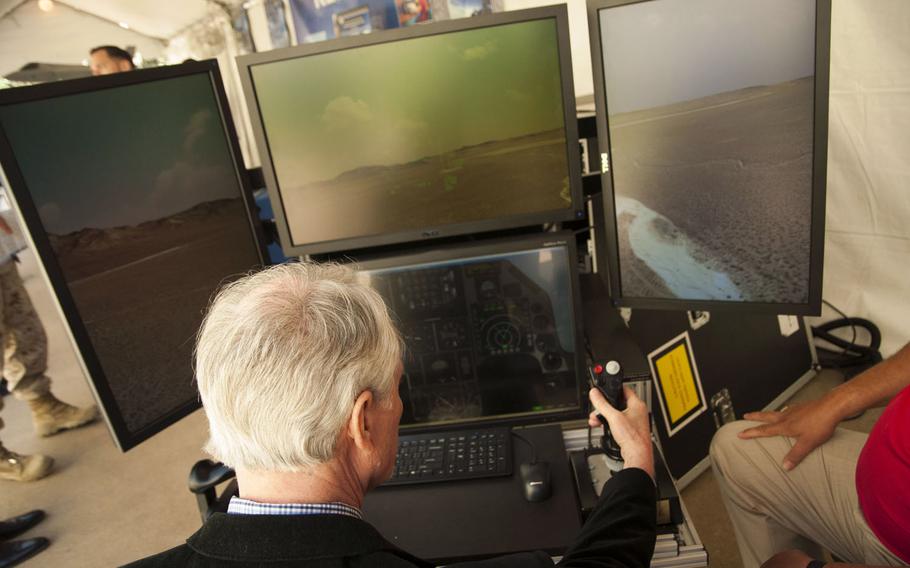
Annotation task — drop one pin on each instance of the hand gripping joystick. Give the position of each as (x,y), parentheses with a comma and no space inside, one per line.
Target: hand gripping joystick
(607,378)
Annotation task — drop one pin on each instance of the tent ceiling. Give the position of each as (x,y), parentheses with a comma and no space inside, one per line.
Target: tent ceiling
(155,18)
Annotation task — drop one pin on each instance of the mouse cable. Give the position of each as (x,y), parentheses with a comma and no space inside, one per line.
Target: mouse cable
(846,319)
(530,445)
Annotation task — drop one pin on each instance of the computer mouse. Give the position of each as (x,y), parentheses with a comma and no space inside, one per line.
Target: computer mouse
(535,480)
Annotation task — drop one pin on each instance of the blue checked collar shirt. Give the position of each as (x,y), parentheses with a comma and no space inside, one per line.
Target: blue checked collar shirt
(239,506)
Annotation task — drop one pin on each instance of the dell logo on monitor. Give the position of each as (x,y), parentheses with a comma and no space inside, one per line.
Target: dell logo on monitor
(429,234)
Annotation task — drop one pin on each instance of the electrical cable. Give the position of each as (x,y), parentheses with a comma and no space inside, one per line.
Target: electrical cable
(852,350)
(528,442)
(852,357)
(843,316)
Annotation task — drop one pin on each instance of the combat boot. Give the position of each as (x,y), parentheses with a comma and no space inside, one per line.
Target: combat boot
(16,467)
(51,415)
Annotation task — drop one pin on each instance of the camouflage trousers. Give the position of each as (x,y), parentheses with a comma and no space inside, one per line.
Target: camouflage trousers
(23,339)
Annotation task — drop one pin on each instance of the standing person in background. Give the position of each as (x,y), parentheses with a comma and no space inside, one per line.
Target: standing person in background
(108,59)
(14,552)
(24,363)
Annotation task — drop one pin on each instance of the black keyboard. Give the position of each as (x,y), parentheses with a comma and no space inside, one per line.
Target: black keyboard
(449,456)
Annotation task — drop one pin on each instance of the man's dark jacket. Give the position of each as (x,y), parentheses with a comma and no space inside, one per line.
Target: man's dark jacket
(619,533)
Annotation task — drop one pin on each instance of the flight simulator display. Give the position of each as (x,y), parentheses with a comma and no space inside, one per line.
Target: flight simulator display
(447,129)
(714,193)
(129,187)
(490,332)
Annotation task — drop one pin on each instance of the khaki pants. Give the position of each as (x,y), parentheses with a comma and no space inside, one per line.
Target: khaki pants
(812,507)
(23,339)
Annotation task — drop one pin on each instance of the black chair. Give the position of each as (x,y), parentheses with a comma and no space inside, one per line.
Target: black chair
(205,477)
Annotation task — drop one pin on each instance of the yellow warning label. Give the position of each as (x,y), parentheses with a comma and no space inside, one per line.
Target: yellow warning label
(677,383)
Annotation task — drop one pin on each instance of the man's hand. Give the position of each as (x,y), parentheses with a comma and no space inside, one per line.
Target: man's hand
(4,226)
(631,428)
(811,423)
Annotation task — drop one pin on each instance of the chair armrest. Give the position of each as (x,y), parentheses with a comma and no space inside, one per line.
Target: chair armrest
(206,474)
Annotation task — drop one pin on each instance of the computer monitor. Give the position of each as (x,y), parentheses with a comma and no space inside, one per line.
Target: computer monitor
(714,116)
(443,129)
(492,331)
(130,187)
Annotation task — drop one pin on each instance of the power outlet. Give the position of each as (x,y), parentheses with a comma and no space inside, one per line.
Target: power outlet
(788,325)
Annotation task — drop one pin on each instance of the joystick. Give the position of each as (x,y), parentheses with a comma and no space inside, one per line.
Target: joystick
(607,378)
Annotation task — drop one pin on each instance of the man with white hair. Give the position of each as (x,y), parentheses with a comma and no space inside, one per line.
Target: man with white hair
(298,368)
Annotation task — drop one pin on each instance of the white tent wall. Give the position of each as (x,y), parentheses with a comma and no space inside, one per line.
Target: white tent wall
(867,244)
(62,35)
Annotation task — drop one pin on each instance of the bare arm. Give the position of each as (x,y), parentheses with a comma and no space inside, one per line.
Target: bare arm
(874,386)
(813,423)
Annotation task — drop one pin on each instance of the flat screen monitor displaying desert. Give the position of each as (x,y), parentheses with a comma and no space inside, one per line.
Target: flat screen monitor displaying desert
(710,108)
(137,192)
(419,133)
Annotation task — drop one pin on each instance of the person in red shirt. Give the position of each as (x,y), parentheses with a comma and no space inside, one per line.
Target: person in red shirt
(793,482)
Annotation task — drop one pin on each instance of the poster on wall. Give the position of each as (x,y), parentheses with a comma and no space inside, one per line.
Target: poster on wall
(316,20)
(278,23)
(353,22)
(241,24)
(468,8)
(452,9)
(412,12)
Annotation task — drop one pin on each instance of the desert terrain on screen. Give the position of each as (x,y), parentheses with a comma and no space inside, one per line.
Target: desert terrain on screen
(724,182)
(144,215)
(711,139)
(420,133)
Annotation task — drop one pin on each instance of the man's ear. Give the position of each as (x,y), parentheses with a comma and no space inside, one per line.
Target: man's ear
(359,425)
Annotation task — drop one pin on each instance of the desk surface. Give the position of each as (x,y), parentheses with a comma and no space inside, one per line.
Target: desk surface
(477,518)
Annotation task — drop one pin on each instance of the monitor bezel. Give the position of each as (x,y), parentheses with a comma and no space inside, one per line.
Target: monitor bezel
(812,307)
(123,437)
(504,246)
(557,13)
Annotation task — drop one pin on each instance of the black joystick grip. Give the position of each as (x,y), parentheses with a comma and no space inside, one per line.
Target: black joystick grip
(607,378)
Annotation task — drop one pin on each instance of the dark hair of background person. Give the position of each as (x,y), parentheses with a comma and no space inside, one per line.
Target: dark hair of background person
(115,52)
